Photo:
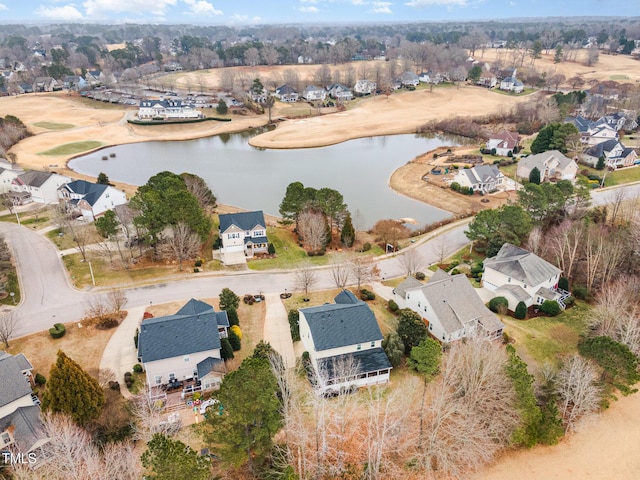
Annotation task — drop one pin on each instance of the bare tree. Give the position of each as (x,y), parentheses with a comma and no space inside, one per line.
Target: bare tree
(305,278)
(183,244)
(565,243)
(198,187)
(363,270)
(313,229)
(148,418)
(117,299)
(411,261)
(578,390)
(535,242)
(227,79)
(97,306)
(8,322)
(339,272)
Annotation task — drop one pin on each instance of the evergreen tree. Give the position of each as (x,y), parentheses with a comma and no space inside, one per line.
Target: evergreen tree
(234,340)
(394,348)
(348,233)
(103,179)
(558,56)
(534,176)
(411,329)
(72,391)
(521,311)
(425,358)
(169,459)
(226,350)
(601,163)
(232,315)
(228,300)
(222,107)
(251,417)
(107,225)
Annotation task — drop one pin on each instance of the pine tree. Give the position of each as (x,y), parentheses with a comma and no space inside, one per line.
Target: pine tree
(228,299)
(601,163)
(234,340)
(534,176)
(72,391)
(168,459)
(348,233)
(226,350)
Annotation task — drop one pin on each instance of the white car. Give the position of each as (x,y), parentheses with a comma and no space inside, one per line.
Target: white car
(206,404)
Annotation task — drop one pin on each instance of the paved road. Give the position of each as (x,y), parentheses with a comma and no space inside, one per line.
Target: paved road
(49,298)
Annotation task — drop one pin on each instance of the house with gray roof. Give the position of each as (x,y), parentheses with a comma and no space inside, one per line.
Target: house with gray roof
(511,84)
(39,187)
(616,155)
(344,343)
(90,200)
(481,178)
(520,275)
(552,165)
(19,415)
(243,234)
(182,346)
(450,307)
(166,109)
(286,93)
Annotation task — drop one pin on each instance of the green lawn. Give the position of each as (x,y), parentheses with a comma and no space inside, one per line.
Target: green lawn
(71,148)
(625,175)
(54,126)
(549,340)
(288,253)
(526,91)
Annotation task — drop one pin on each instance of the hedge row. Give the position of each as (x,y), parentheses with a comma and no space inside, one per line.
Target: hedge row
(177,122)
(58,330)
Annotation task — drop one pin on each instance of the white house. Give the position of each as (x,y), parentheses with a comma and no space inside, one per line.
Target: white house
(8,173)
(364,87)
(511,84)
(504,142)
(481,178)
(19,414)
(519,275)
(243,234)
(180,347)
(286,93)
(166,110)
(409,79)
(90,200)
(344,343)
(42,187)
(312,93)
(44,84)
(449,306)
(340,92)
(615,153)
(551,165)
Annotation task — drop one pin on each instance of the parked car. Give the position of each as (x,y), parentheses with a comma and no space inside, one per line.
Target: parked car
(206,404)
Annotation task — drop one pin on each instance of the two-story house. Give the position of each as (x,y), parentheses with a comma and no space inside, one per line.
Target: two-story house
(182,346)
(243,234)
(340,92)
(286,93)
(90,200)
(615,153)
(19,414)
(449,306)
(520,275)
(41,187)
(166,110)
(313,94)
(364,87)
(504,142)
(344,343)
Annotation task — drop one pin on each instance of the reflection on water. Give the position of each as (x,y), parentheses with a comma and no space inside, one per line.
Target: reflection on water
(256,179)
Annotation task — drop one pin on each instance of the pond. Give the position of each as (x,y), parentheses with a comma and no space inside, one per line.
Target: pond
(256,179)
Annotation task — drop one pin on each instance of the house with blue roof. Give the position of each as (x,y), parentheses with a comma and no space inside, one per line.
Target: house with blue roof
(90,200)
(344,343)
(184,346)
(243,234)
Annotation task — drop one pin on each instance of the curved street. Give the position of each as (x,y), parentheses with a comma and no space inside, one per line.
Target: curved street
(48,297)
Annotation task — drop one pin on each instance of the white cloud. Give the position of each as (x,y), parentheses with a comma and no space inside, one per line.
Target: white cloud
(307,9)
(66,13)
(3,7)
(426,3)
(237,18)
(308,1)
(102,8)
(201,7)
(381,7)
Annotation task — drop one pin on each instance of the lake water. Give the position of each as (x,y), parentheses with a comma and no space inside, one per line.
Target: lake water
(256,179)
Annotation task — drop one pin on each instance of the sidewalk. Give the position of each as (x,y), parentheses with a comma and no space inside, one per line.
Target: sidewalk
(120,354)
(276,329)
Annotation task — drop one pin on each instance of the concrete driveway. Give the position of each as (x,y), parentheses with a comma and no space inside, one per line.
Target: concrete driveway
(276,329)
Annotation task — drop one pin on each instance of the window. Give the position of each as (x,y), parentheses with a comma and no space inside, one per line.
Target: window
(186,358)
(509,279)
(359,347)
(158,379)
(172,377)
(373,344)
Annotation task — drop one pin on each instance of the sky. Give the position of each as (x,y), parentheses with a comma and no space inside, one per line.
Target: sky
(243,12)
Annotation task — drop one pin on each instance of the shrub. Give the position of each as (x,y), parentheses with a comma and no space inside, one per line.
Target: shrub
(40,379)
(466,190)
(498,304)
(137,368)
(420,276)
(367,294)
(234,340)
(580,292)
(393,306)
(113,385)
(135,337)
(107,323)
(128,376)
(198,263)
(232,315)
(271,249)
(521,311)
(550,308)
(569,301)
(366,247)
(563,283)
(249,299)
(455,271)
(58,330)
(455,186)
(294,324)
(236,329)
(477,269)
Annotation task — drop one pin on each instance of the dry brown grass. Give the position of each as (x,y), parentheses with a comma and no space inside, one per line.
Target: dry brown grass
(84,345)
